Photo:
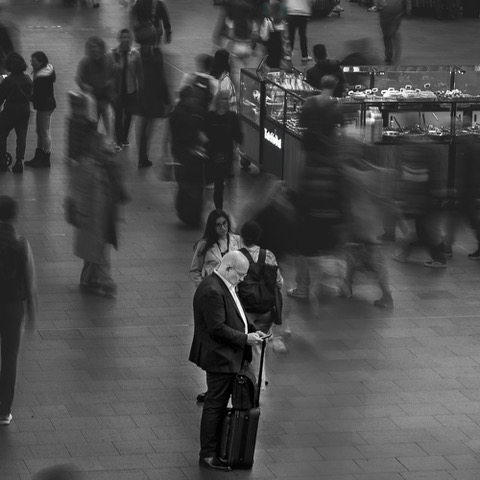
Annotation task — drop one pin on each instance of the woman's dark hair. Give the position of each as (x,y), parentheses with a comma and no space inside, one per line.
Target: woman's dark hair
(220,64)
(251,233)
(210,235)
(8,208)
(40,57)
(15,63)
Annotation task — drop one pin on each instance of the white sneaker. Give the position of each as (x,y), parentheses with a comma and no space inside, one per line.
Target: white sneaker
(287,58)
(6,419)
(308,58)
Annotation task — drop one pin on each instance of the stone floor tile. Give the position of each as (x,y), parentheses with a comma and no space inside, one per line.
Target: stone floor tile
(377,465)
(434,475)
(391,450)
(428,463)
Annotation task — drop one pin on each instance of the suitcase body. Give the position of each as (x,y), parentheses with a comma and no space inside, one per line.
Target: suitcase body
(239,435)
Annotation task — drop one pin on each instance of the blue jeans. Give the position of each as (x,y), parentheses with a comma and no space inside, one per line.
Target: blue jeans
(44,139)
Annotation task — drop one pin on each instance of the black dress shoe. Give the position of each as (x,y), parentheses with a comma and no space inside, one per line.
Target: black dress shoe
(213,463)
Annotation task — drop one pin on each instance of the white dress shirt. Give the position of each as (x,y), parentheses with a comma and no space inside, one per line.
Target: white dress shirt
(233,293)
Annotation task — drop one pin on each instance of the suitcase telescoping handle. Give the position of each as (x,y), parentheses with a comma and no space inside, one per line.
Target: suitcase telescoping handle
(260,374)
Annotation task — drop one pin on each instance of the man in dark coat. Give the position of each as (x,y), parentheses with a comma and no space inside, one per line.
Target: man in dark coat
(325,66)
(221,342)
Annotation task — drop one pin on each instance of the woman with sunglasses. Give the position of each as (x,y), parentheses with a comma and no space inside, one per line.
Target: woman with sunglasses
(217,240)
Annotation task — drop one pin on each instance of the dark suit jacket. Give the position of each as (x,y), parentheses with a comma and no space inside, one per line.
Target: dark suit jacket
(219,342)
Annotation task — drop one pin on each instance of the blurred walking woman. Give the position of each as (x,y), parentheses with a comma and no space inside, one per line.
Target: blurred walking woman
(224,133)
(44,103)
(217,240)
(15,91)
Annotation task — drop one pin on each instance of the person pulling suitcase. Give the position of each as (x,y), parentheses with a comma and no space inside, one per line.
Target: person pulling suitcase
(222,342)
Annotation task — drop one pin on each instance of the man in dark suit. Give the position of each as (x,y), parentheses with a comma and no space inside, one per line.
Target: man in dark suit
(221,342)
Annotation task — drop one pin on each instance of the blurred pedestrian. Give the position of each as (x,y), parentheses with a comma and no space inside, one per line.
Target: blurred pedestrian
(391,16)
(128,82)
(414,201)
(17,287)
(44,103)
(150,19)
(217,240)
(154,100)
(96,191)
(237,30)
(361,207)
(274,35)
(221,71)
(299,13)
(224,133)
(15,93)
(324,66)
(95,76)
(320,200)
(7,41)
(204,86)
(187,140)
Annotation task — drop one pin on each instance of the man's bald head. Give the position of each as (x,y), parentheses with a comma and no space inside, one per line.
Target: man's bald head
(234,267)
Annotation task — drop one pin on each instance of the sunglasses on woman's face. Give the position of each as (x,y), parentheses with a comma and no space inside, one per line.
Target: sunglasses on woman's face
(221,224)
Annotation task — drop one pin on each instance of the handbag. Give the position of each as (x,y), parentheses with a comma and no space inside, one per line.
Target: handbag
(244,390)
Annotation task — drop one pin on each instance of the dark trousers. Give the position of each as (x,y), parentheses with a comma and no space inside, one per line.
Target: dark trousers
(298,22)
(391,37)
(11,121)
(426,237)
(11,315)
(123,116)
(220,171)
(219,389)
(144,130)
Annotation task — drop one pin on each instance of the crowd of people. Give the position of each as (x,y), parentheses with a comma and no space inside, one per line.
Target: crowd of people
(330,218)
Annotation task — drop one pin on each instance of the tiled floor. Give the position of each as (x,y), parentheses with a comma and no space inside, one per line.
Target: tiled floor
(106,384)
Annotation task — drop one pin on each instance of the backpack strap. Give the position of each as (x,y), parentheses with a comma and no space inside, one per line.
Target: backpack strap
(247,254)
(262,256)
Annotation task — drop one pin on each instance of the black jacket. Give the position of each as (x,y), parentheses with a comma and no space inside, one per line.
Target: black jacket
(16,91)
(326,67)
(219,339)
(43,97)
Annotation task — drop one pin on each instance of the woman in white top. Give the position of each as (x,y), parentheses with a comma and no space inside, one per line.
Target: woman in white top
(217,240)
(221,71)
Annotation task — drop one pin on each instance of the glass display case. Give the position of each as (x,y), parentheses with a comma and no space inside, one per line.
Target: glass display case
(250,92)
(383,103)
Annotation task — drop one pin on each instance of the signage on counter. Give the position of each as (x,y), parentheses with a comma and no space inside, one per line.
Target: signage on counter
(272,138)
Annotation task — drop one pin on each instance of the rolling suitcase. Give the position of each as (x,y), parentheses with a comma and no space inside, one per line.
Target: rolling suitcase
(239,430)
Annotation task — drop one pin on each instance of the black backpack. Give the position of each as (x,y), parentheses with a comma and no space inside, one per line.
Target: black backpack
(258,290)
(13,263)
(202,94)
